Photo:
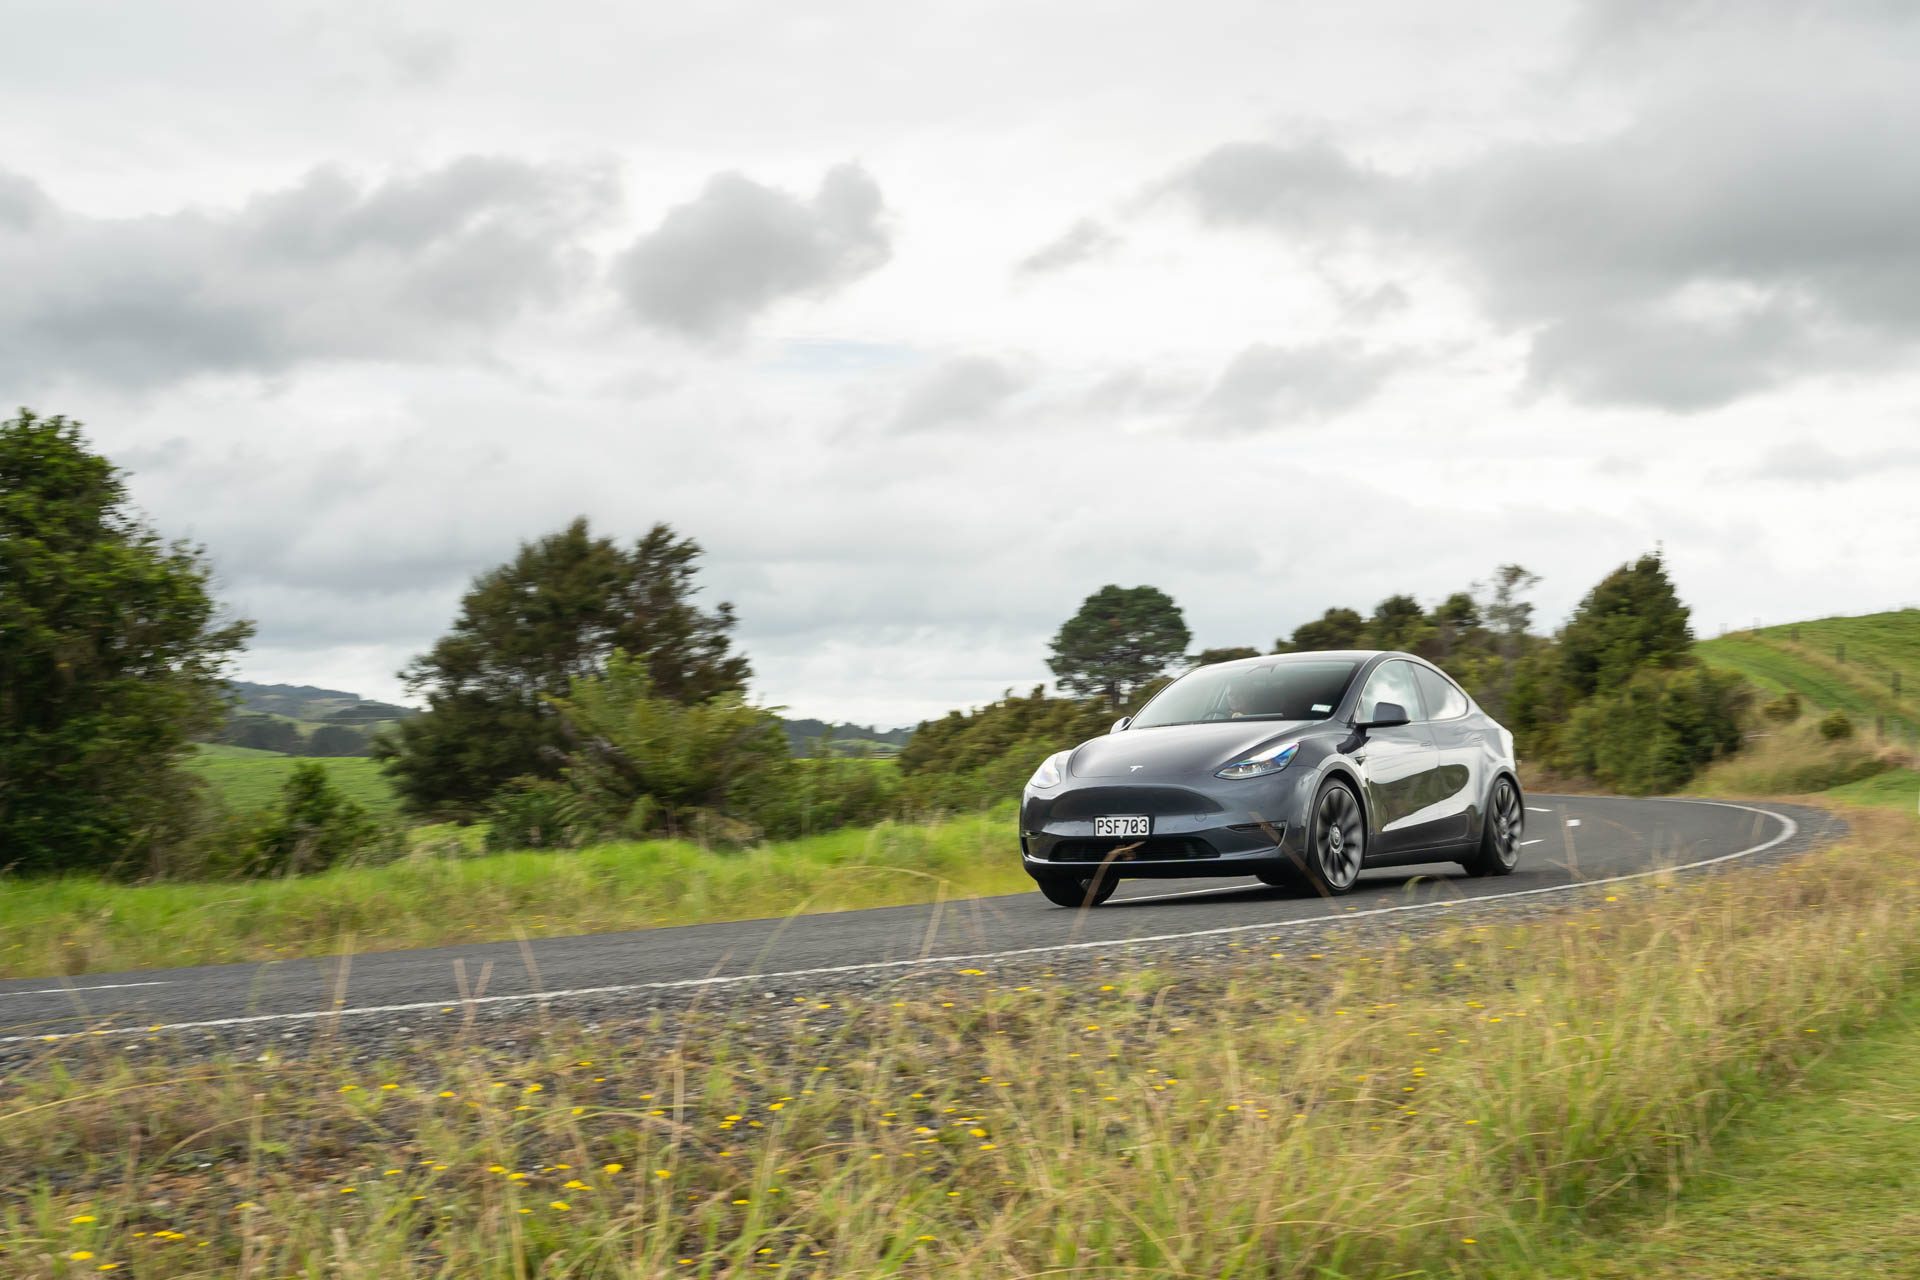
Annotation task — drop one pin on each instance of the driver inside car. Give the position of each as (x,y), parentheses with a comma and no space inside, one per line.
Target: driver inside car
(1239,700)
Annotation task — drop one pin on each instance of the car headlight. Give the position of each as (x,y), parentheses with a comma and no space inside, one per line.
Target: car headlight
(1261,765)
(1051,770)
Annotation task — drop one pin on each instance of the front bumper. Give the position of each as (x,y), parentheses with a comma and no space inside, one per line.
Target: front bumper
(1198,830)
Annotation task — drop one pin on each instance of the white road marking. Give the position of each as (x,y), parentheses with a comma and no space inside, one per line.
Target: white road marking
(1789,829)
(1537,809)
(1525,843)
(61,991)
(1189,893)
(1573,822)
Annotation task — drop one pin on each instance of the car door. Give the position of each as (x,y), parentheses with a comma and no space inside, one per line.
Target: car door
(1459,742)
(1396,765)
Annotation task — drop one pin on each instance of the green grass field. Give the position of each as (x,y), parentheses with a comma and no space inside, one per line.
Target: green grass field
(1835,664)
(79,924)
(246,780)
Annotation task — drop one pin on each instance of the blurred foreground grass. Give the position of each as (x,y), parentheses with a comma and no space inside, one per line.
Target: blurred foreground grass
(80,924)
(1819,1182)
(1446,1106)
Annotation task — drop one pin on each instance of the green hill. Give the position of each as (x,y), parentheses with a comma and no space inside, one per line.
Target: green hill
(1868,667)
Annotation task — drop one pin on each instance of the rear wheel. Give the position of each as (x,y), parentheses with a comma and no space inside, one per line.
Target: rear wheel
(1336,839)
(1500,834)
(1078,891)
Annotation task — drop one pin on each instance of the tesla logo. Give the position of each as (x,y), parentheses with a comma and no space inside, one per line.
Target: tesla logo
(1135,768)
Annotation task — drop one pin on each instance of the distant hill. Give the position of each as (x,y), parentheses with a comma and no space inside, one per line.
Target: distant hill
(304,720)
(803,738)
(1866,666)
(315,705)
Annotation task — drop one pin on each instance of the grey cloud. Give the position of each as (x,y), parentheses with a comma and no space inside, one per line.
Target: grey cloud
(963,390)
(1750,225)
(739,247)
(1084,241)
(1273,386)
(22,202)
(1311,187)
(1136,390)
(1808,462)
(420,58)
(421,266)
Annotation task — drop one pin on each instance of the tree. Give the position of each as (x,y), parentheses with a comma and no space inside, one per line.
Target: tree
(525,631)
(1507,613)
(263,733)
(113,658)
(1207,657)
(1454,619)
(1334,629)
(1632,619)
(335,740)
(1398,622)
(1121,639)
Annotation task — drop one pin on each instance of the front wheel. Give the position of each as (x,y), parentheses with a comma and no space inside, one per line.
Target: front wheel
(1500,834)
(1078,891)
(1336,839)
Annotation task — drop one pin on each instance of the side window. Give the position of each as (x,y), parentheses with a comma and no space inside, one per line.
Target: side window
(1392,682)
(1444,701)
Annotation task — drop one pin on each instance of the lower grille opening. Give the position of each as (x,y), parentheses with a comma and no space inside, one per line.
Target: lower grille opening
(1154,848)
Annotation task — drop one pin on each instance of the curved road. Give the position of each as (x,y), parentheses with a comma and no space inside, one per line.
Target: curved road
(1571,841)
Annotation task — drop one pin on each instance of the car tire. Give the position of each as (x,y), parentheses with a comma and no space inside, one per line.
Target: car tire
(1336,839)
(1078,891)
(1500,832)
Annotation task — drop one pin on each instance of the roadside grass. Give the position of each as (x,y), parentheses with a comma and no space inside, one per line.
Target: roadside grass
(1458,1101)
(1793,759)
(1894,789)
(1819,1182)
(246,780)
(79,924)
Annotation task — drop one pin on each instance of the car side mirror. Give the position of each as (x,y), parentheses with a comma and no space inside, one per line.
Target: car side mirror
(1120,724)
(1386,715)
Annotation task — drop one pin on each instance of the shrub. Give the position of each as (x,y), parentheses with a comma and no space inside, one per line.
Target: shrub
(816,795)
(314,826)
(639,764)
(1784,709)
(1653,733)
(535,813)
(1835,726)
(966,760)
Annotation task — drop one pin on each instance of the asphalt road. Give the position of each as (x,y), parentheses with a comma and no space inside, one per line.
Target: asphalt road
(1570,841)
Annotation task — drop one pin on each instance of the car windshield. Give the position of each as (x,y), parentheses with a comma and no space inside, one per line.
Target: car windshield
(1281,690)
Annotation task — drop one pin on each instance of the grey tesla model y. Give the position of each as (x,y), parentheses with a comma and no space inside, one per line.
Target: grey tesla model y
(1299,769)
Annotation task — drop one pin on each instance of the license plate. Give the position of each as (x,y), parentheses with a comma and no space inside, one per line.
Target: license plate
(1123,826)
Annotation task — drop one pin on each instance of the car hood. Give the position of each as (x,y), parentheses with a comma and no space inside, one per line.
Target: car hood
(1179,748)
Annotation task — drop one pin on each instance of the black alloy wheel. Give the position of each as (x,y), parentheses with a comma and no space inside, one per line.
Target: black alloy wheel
(1500,834)
(1336,839)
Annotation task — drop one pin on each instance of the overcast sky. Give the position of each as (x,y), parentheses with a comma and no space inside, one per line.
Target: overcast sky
(929,320)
